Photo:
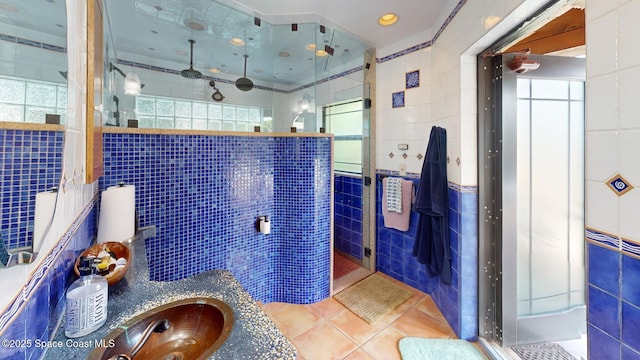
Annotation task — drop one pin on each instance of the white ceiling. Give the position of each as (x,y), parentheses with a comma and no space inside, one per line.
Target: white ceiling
(153,32)
(359,17)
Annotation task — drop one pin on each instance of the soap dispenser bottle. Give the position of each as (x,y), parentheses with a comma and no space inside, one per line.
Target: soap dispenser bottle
(86,306)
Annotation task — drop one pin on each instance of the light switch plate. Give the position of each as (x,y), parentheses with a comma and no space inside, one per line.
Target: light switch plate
(403,169)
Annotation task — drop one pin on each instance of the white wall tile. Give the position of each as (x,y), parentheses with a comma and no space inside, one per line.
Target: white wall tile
(602,210)
(602,100)
(597,9)
(629,145)
(629,80)
(628,49)
(602,156)
(629,224)
(601,36)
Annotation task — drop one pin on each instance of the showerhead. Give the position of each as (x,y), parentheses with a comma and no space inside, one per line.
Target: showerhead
(190,73)
(243,83)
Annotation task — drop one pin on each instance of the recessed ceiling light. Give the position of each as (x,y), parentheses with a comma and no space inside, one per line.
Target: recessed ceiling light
(257,71)
(388,19)
(311,47)
(321,53)
(60,25)
(8,7)
(181,52)
(154,32)
(237,41)
(158,7)
(284,54)
(195,24)
(214,70)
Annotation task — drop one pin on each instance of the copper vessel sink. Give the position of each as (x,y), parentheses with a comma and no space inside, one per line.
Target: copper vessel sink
(193,329)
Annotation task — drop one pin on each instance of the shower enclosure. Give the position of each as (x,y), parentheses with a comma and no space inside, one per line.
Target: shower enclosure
(531,199)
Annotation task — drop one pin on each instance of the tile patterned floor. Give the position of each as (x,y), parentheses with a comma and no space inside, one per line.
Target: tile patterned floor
(327,330)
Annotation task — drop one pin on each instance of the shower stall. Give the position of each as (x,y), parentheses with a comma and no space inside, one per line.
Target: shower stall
(531,201)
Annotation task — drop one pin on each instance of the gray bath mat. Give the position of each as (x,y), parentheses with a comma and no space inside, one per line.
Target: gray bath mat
(548,351)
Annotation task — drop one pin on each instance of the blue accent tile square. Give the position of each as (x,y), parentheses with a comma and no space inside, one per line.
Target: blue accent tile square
(604,268)
(604,312)
(412,79)
(397,99)
(629,354)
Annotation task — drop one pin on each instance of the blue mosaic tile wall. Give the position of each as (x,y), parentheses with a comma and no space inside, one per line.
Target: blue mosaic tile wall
(35,314)
(204,193)
(31,163)
(613,297)
(458,302)
(348,215)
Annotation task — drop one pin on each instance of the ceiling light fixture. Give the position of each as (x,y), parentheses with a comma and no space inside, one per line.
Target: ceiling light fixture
(388,19)
(311,47)
(214,70)
(237,41)
(321,53)
(284,54)
(195,24)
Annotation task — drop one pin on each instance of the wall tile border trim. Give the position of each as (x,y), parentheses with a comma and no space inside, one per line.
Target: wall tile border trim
(22,41)
(39,273)
(617,243)
(452,185)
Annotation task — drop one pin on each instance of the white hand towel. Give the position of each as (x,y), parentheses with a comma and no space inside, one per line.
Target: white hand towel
(394,194)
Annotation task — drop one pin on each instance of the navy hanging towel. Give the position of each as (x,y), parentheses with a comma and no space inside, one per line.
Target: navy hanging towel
(431,246)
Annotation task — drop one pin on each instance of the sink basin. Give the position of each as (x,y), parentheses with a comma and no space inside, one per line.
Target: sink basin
(197,328)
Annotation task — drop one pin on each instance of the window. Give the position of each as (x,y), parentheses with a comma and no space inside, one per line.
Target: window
(26,100)
(170,113)
(344,121)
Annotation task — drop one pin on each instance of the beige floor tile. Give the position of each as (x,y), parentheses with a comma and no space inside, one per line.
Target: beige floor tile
(359,354)
(327,307)
(417,323)
(355,328)
(428,306)
(273,307)
(384,346)
(294,319)
(323,342)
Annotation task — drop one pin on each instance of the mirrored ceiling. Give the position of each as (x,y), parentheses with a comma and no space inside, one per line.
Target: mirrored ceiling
(157,33)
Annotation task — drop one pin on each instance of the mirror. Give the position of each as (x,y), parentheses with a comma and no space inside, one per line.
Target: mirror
(288,64)
(33,99)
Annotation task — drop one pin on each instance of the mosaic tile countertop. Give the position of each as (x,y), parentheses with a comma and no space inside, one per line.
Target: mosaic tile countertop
(254,335)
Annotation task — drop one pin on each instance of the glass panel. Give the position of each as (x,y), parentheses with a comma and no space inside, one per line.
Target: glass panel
(215,111)
(164,107)
(242,126)
(229,126)
(12,91)
(62,97)
(200,110)
(41,94)
(145,106)
(182,123)
(165,123)
(254,115)
(183,108)
(215,125)
(11,112)
(37,114)
(229,112)
(200,124)
(524,88)
(146,122)
(549,89)
(348,155)
(242,114)
(576,90)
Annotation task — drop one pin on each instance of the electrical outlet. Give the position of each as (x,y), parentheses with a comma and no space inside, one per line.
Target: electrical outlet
(403,169)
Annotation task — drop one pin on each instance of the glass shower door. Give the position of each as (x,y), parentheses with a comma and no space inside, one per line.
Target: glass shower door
(543,204)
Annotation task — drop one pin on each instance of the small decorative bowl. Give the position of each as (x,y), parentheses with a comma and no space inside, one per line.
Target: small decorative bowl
(119,249)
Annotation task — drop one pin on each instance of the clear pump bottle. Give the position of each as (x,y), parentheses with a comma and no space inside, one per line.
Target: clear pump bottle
(86,306)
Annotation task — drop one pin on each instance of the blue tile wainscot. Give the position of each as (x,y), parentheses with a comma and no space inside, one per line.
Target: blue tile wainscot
(457,302)
(204,191)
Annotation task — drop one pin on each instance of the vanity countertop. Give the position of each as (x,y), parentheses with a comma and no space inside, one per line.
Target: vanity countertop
(254,335)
